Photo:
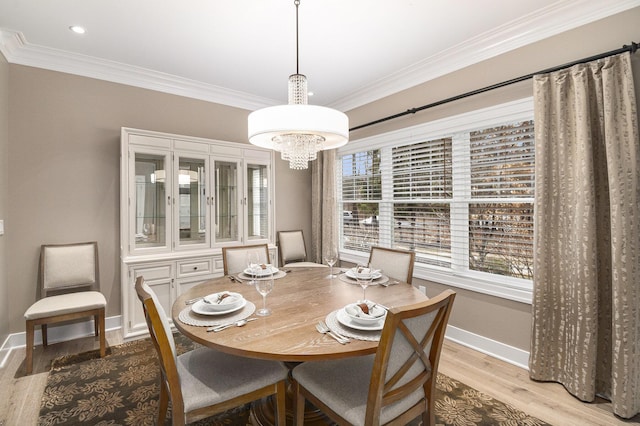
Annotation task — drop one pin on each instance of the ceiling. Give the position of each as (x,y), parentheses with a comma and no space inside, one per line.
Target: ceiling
(240,53)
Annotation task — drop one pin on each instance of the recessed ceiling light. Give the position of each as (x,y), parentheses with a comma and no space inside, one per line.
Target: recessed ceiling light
(309,93)
(77,29)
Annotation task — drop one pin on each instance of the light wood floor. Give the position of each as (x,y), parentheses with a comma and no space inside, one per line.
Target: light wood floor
(20,394)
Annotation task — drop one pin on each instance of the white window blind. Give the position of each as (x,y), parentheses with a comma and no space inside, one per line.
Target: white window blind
(422,186)
(361,192)
(458,192)
(501,209)
(422,170)
(502,161)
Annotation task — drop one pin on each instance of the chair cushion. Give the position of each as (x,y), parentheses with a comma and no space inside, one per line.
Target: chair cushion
(343,385)
(65,304)
(236,258)
(69,265)
(393,264)
(292,246)
(209,377)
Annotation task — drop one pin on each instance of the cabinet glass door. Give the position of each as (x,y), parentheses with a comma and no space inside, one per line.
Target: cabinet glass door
(151,199)
(226,202)
(191,201)
(257,202)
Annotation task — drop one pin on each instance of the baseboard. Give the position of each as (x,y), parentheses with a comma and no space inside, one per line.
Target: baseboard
(515,356)
(501,351)
(56,334)
(5,350)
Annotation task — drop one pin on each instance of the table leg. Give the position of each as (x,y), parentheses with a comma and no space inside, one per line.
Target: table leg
(263,413)
(263,410)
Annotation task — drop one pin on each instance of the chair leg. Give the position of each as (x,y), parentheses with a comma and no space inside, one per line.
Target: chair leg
(28,361)
(281,403)
(298,403)
(429,419)
(43,329)
(163,402)
(100,330)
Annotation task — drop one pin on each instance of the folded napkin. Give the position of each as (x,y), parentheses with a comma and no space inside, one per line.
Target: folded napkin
(365,271)
(356,310)
(223,298)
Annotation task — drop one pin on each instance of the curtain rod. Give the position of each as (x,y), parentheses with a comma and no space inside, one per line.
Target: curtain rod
(633,47)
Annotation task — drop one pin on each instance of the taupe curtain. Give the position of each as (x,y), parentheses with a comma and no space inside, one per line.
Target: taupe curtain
(586,299)
(324,217)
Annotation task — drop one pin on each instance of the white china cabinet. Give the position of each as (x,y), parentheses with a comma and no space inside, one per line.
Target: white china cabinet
(181,200)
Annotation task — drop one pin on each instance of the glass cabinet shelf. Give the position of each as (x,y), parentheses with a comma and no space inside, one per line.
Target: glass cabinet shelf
(185,193)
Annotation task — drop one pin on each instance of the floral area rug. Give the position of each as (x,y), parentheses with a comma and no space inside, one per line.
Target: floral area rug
(123,387)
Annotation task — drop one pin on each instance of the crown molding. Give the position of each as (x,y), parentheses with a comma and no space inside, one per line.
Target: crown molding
(552,20)
(17,51)
(555,19)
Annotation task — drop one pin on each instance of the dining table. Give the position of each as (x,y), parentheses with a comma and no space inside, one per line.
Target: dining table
(300,299)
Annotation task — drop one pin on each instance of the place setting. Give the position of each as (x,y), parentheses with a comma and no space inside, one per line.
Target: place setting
(351,275)
(364,319)
(257,270)
(218,310)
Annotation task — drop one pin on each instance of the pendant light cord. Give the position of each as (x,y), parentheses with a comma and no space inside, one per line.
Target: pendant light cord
(297,3)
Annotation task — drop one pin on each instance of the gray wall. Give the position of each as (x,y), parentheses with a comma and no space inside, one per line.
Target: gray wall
(498,319)
(64,168)
(4,188)
(64,150)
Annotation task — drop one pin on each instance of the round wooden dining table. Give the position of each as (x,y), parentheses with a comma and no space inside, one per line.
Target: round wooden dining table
(298,301)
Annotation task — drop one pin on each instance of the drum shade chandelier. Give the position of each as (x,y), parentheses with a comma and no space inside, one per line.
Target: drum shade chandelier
(297,130)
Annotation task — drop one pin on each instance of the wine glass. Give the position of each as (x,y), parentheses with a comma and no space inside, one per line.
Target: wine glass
(331,257)
(364,279)
(264,287)
(253,265)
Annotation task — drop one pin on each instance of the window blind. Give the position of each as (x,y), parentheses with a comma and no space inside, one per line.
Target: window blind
(422,170)
(502,161)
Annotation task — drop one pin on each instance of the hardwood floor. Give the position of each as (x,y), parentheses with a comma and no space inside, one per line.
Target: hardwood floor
(20,394)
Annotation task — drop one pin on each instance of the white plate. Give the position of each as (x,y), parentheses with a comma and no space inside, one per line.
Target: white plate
(343,318)
(199,308)
(352,274)
(262,272)
(215,307)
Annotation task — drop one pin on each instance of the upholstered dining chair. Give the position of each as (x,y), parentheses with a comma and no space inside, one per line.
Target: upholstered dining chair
(204,382)
(392,387)
(234,259)
(292,250)
(394,263)
(69,289)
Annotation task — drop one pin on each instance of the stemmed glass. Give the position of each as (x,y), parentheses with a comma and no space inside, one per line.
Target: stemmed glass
(331,257)
(364,280)
(253,264)
(264,287)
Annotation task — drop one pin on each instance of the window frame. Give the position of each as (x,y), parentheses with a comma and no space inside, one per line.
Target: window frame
(457,127)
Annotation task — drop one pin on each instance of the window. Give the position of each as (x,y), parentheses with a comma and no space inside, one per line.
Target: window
(458,192)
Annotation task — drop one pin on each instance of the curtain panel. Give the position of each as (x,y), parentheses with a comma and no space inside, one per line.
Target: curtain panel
(324,215)
(586,300)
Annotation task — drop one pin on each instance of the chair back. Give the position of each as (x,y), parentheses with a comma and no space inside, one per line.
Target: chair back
(394,263)
(234,259)
(162,338)
(66,268)
(291,247)
(406,362)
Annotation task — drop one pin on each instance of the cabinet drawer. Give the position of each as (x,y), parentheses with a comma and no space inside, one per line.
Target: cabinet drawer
(193,267)
(154,272)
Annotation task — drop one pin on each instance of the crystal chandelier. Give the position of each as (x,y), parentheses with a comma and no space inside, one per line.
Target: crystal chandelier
(297,130)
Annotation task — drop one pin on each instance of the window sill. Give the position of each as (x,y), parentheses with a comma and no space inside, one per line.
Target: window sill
(498,286)
(492,285)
